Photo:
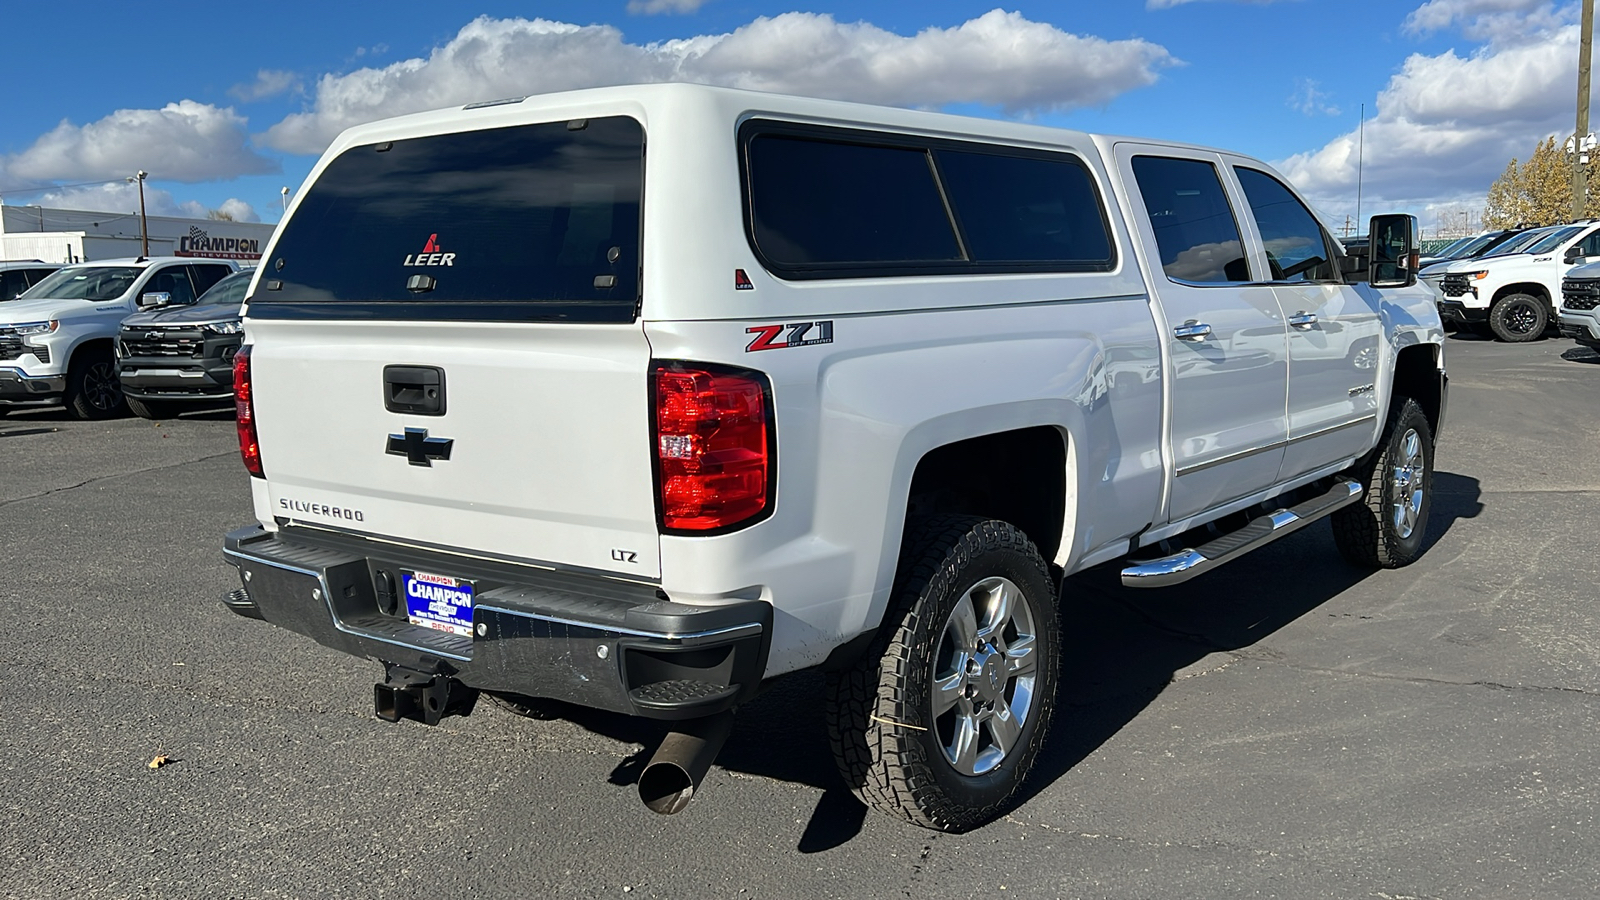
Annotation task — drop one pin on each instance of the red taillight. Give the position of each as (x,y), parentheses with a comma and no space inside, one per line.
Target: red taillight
(713,446)
(245,412)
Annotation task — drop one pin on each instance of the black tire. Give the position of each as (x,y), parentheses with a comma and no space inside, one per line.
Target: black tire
(1518,317)
(153,409)
(893,750)
(93,391)
(1384,530)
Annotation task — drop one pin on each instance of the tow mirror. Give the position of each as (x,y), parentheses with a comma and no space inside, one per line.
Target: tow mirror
(1574,253)
(1392,251)
(155,298)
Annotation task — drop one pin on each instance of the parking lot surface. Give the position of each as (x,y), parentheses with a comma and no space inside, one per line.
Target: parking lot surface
(1283,727)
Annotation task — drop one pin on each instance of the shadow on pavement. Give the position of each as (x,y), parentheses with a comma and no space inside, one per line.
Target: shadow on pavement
(1121,647)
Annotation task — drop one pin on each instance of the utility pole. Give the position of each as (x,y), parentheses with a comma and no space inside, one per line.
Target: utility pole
(144,232)
(1580,157)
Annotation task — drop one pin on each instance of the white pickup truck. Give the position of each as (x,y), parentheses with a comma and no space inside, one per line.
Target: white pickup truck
(532,412)
(1516,295)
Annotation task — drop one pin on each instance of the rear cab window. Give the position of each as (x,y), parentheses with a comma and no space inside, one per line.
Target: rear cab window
(839,203)
(529,222)
(1193,221)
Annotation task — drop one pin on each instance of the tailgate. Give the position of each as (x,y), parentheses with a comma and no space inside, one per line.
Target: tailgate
(502,263)
(549,454)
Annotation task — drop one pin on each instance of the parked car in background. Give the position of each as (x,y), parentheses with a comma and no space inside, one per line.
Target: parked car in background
(1511,242)
(1482,244)
(1517,295)
(1579,315)
(180,356)
(16,276)
(56,340)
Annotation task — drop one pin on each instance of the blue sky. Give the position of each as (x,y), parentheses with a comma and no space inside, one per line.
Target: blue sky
(225,103)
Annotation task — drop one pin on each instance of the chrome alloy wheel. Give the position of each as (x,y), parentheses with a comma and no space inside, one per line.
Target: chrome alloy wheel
(1406,500)
(983,676)
(100,386)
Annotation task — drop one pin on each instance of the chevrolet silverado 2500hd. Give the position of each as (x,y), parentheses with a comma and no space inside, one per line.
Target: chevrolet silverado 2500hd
(530,411)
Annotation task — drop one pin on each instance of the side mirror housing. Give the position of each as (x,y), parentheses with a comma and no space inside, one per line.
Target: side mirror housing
(155,298)
(1392,251)
(1574,253)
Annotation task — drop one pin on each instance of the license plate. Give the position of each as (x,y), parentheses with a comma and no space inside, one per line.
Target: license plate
(438,601)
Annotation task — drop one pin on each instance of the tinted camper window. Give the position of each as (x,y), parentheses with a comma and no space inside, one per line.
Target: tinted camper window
(822,204)
(839,203)
(531,221)
(1027,209)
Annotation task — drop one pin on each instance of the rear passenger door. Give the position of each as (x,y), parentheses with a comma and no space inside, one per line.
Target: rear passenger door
(1333,331)
(1225,337)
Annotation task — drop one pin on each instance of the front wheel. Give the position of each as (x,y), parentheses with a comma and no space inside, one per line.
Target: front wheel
(93,391)
(1385,529)
(1518,318)
(944,717)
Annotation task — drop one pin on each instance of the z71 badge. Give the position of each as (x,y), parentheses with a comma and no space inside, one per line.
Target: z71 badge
(800,334)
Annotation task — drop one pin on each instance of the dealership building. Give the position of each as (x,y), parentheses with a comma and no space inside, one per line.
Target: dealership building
(75,235)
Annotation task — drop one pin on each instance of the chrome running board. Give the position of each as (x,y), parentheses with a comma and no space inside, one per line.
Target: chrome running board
(1186,564)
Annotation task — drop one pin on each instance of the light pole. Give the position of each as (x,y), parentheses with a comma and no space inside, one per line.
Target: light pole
(285,192)
(144,233)
(1580,137)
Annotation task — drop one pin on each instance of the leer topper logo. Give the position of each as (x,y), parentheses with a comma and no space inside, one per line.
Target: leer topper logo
(431,255)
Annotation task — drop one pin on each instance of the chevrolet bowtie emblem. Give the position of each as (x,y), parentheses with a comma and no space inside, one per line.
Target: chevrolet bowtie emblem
(418,448)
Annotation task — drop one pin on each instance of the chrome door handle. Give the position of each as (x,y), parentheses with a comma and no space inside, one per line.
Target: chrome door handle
(1302,320)
(1191,331)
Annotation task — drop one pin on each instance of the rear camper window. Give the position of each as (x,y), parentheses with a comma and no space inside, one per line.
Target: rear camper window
(836,203)
(530,222)
(823,204)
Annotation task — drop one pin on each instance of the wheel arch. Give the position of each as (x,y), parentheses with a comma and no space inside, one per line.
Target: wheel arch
(90,345)
(1419,374)
(1017,476)
(1531,288)
(1037,485)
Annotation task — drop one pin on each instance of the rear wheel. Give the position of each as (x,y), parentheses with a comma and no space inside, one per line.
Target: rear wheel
(1518,317)
(153,409)
(944,717)
(93,391)
(1385,529)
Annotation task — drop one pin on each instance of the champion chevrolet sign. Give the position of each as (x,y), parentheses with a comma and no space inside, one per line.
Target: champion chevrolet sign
(198,243)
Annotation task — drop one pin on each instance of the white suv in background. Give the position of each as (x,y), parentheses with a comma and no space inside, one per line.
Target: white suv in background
(1516,296)
(56,340)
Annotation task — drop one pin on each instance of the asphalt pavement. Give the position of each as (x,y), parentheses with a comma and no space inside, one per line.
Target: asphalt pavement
(1283,727)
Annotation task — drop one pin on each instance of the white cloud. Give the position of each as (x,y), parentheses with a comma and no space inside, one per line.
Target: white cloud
(184,141)
(655,7)
(1309,100)
(1446,125)
(999,59)
(239,211)
(121,198)
(1504,21)
(268,83)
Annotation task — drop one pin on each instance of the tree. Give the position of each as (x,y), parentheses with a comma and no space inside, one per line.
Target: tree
(1538,192)
(219,215)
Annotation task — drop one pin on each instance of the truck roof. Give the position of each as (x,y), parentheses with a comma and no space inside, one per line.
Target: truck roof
(722,104)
